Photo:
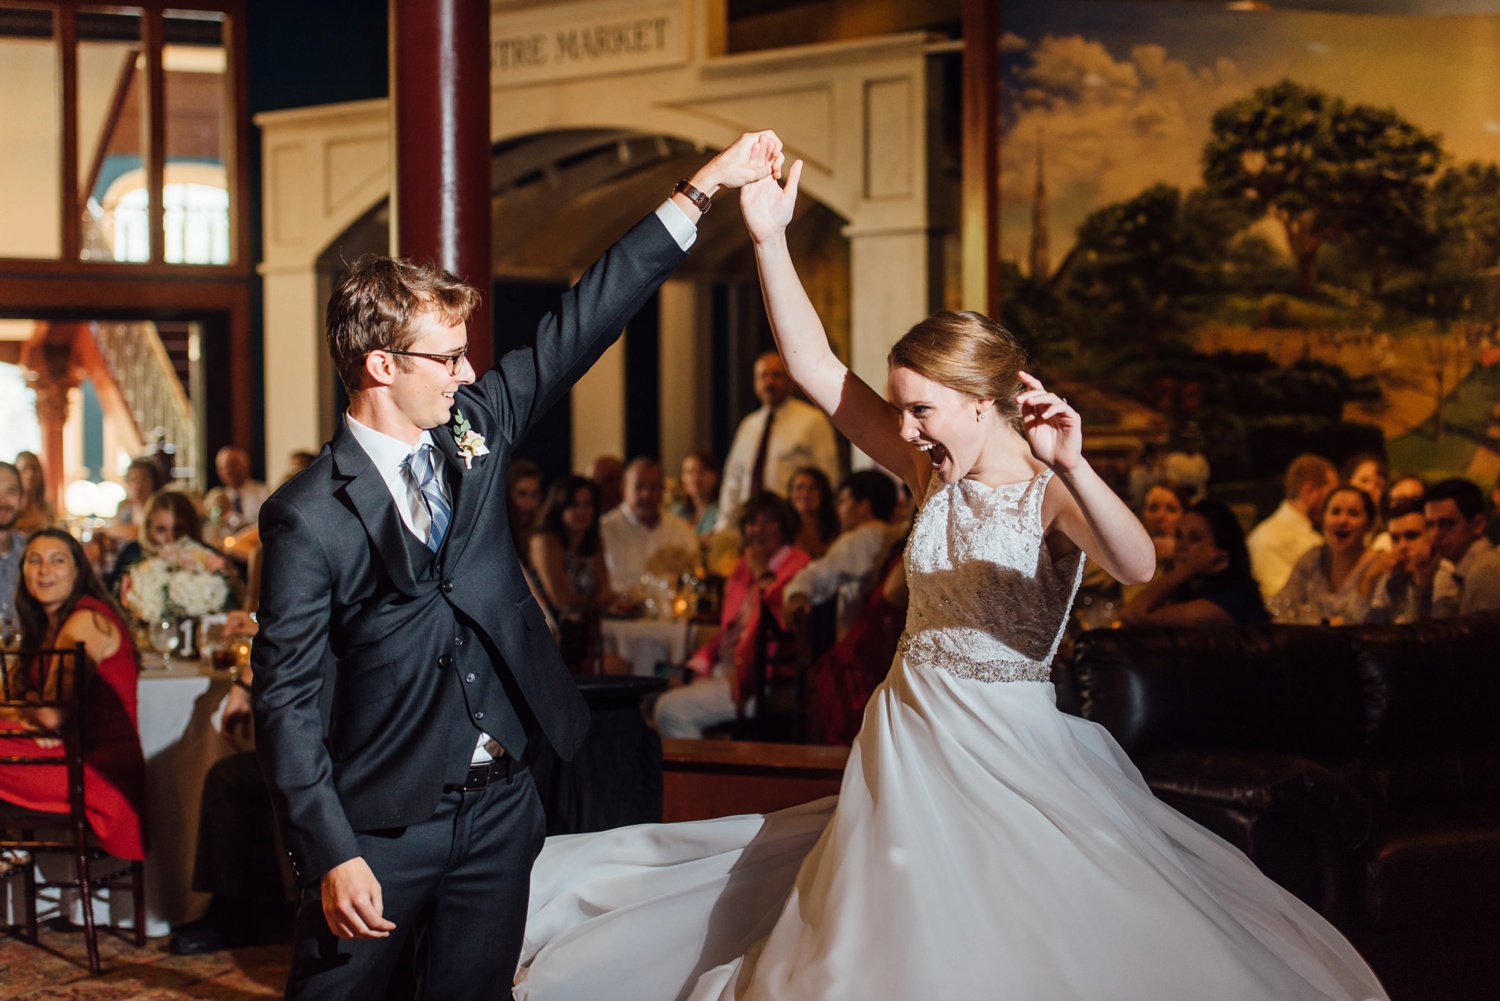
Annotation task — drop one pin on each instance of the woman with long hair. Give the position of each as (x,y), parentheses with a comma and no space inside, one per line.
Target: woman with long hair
(699,505)
(566,551)
(1210,582)
(983,844)
(812,497)
(1333,583)
(36,510)
(168,516)
(523,497)
(61,602)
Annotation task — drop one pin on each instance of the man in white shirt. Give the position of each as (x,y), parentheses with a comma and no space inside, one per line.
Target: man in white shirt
(1277,543)
(235,505)
(774,442)
(639,537)
(866,500)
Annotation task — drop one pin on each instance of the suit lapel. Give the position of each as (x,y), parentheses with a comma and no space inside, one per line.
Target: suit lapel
(371,499)
(469,488)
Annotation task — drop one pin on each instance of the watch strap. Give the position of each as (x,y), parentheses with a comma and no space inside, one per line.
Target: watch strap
(692,194)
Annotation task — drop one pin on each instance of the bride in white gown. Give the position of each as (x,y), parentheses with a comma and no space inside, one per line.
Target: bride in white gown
(983,845)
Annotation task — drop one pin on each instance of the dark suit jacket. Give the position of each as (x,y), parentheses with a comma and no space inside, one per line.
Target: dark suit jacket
(375,668)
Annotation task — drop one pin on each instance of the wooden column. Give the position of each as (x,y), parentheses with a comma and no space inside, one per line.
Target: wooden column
(981,156)
(440,136)
(48,358)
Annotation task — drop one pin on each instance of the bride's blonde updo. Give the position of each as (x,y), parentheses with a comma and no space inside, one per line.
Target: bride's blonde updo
(968,352)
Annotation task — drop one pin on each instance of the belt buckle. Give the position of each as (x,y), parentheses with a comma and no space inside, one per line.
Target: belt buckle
(477,778)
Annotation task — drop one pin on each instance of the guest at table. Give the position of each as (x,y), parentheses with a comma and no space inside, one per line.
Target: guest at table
(846,573)
(724,665)
(11,544)
(169,516)
(812,498)
(565,548)
(1161,510)
(1332,583)
(699,504)
(233,506)
(1403,491)
(1278,542)
(608,474)
(523,495)
(1417,576)
(61,602)
(1368,472)
(237,858)
(1455,526)
(1210,582)
(142,479)
(640,538)
(36,510)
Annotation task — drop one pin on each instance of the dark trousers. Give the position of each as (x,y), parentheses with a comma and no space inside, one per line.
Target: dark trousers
(456,884)
(237,857)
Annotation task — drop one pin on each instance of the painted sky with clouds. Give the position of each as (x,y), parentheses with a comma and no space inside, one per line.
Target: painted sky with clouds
(1123,92)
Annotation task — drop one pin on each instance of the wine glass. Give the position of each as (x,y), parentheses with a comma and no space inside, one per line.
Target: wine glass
(164,637)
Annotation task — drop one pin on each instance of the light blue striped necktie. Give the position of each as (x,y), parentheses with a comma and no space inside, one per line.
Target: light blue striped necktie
(423,465)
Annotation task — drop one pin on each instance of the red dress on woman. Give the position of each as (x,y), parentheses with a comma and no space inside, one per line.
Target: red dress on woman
(114,770)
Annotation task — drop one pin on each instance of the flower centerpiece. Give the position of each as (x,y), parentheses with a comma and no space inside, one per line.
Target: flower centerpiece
(185,579)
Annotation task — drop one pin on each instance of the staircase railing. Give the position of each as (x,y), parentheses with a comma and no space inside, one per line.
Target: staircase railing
(150,387)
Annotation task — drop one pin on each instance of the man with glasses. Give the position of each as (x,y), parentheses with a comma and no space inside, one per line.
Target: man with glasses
(1418,576)
(1456,523)
(404,674)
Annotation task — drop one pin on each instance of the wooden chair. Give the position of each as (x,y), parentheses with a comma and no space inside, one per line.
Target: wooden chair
(67,833)
(779,680)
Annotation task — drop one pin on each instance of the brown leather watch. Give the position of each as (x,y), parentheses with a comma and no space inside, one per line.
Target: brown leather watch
(692,194)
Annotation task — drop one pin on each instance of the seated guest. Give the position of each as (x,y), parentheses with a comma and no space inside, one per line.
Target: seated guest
(1209,583)
(866,501)
(234,505)
(142,479)
(1334,581)
(61,602)
(11,544)
(168,517)
(237,858)
(812,498)
(523,496)
(1405,592)
(1276,544)
(1161,510)
(726,663)
(639,537)
(36,510)
(1455,523)
(699,505)
(565,549)
(1368,472)
(1403,490)
(608,474)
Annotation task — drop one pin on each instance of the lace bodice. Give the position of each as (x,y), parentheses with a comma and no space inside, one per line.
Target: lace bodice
(987,600)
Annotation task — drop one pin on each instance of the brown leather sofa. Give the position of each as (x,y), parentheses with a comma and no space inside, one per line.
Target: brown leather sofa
(1359,767)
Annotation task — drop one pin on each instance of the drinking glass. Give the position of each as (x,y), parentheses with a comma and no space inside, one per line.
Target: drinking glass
(164,637)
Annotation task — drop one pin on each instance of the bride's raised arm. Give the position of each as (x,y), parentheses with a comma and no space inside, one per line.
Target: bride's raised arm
(858,411)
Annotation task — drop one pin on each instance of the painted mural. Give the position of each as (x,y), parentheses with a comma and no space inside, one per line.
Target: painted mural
(1277,230)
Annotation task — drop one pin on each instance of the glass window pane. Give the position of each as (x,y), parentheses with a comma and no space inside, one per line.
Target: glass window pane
(195,94)
(112,136)
(30,134)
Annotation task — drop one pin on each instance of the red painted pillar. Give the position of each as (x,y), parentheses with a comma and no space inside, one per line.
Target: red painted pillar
(440,128)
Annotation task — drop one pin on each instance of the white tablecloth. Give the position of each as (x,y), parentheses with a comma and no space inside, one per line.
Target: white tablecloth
(178,711)
(646,642)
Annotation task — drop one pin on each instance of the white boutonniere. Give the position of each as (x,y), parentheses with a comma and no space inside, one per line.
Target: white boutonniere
(470,443)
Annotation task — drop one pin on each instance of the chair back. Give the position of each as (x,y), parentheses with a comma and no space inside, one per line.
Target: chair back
(49,679)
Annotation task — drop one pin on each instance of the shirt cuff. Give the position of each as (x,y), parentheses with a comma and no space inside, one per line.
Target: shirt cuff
(677,223)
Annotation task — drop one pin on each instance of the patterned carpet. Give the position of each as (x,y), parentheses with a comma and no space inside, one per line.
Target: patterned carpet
(58,970)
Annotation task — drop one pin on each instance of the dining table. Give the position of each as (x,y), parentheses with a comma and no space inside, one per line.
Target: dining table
(648,642)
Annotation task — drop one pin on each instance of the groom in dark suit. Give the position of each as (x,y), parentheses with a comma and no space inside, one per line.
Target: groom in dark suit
(403,672)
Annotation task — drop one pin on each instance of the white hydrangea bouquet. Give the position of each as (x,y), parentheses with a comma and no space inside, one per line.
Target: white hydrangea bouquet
(183,580)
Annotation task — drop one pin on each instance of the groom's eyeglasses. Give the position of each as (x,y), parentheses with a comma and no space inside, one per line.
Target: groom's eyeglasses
(453,361)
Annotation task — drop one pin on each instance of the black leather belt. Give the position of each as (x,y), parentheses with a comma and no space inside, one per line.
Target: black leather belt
(480,776)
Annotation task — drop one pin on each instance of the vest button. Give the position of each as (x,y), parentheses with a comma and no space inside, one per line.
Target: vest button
(447,586)
(479,715)
(458,640)
(469,677)
(446,660)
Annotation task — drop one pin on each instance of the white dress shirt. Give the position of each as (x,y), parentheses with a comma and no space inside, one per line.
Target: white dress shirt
(629,545)
(1276,545)
(800,436)
(847,570)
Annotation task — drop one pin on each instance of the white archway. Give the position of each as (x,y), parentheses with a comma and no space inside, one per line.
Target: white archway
(856,112)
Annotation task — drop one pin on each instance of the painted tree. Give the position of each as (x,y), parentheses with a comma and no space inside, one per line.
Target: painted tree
(1317,165)
(1465,207)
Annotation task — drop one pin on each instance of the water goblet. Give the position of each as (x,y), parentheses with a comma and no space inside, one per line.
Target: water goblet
(164,636)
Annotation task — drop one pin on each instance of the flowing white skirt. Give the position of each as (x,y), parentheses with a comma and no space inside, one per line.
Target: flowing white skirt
(983,846)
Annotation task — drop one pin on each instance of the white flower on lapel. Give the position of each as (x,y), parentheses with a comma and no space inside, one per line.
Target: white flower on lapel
(470,443)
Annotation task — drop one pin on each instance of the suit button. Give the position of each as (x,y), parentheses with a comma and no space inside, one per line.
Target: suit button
(447,586)
(446,660)
(479,715)
(469,677)
(458,640)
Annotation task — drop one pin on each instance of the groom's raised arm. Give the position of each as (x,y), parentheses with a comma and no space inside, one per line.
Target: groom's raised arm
(590,316)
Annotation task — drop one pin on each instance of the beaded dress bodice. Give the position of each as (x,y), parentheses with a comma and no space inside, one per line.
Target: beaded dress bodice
(988,602)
